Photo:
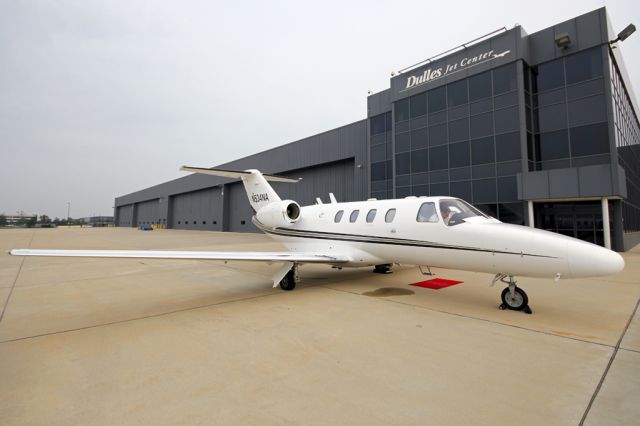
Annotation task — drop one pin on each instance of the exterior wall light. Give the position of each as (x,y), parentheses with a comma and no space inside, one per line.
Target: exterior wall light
(563,40)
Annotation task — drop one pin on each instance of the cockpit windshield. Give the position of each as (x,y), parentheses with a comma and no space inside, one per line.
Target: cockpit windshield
(454,211)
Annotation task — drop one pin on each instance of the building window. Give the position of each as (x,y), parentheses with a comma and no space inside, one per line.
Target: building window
(419,160)
(504,79)
(584,65)
(419,105)
(480,86)
(508,146)
(403,163)
(459,154)
(403,142)
(402,110)
(482,151)
(437,99)
(438,158)
(378,125)
(549,75)
(457,93)
(552,145)
(459,130)
(354,216)
(589,140)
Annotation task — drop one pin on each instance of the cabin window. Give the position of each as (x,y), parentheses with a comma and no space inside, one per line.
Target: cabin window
(354,216)
(391,213)
(427,213)
(371,215)
(338,217)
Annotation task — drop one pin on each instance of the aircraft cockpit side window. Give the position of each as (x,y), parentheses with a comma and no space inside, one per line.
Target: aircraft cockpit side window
(427,213)
(354,216)
(338,217)
(455,211)
(391,214)
(371,215)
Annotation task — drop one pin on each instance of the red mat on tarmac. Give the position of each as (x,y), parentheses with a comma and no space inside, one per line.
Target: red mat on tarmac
(436,283)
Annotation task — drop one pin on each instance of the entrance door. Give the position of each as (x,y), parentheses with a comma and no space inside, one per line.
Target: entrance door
(582,220)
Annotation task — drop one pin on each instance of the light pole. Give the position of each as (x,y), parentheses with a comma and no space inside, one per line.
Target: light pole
(68,212)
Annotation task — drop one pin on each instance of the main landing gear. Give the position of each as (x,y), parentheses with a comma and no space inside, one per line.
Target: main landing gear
(382,269)
(513,297)
(289,281)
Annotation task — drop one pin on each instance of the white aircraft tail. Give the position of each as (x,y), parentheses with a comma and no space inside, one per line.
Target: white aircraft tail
(259,192)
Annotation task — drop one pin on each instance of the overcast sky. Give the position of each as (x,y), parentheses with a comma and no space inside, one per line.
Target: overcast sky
(102,98)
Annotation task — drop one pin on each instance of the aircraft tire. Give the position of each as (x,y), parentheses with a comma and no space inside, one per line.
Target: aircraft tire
(518,303)
(288,283)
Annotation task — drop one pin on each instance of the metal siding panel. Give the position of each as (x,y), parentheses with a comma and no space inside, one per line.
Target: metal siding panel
(239,209)
(595,181)
(563,183)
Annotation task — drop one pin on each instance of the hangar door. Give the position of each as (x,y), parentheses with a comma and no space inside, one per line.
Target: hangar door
(125,215)
(316,181)
(149,213)
(197,210)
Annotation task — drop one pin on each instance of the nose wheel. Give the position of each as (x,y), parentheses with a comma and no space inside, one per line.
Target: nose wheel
(513,297)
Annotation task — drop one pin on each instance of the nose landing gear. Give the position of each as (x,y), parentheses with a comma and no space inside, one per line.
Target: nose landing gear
(513,297)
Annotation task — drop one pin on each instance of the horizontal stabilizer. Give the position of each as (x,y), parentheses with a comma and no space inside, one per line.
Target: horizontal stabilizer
(235,174)
(255,256)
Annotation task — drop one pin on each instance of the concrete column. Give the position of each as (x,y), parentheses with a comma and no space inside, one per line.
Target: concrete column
(605,223)
(530,213)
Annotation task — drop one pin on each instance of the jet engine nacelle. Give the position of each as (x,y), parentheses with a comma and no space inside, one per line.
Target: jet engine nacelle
(281,213)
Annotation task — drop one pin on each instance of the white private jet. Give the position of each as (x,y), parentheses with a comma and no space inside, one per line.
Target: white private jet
(427,231)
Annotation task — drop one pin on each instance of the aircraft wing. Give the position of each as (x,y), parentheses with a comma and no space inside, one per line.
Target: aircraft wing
(256,256)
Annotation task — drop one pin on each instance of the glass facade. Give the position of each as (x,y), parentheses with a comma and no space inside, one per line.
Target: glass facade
(582,220)
(566,112)
(627,134)
(462,139)
(471,138)
(380,156)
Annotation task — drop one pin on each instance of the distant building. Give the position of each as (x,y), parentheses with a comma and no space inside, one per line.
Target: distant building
(99,221)
(20,219)
(535,129)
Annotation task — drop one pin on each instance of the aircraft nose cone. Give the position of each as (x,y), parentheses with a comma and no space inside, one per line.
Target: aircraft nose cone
(590,260)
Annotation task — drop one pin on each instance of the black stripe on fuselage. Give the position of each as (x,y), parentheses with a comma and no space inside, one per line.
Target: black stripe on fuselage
(319,235)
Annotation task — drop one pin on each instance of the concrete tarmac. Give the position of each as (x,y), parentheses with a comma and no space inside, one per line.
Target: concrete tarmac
(136,341)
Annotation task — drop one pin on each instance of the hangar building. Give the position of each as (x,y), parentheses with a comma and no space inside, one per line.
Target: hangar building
(538,129)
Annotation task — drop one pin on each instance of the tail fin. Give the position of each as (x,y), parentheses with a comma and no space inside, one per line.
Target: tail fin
(259,192)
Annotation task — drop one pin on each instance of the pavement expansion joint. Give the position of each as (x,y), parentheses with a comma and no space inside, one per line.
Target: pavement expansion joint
(160,314)
(15,280)
(608,367)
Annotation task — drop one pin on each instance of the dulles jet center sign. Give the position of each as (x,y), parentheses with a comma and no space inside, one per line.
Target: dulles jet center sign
(432,74)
